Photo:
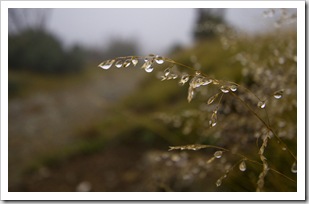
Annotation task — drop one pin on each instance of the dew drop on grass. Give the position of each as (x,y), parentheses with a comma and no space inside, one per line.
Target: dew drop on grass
(167,71)
(184,79)
(159,59)
(134,61)
(206,81)
(147,66)
(261,104)
(174,76)
(224,89)
(233,87)
(119,63)
(294,168)
(218,182)
(213,119)
(242,166)
(218,154)
(149,69)
(127,63)
(107,64)
(278,94)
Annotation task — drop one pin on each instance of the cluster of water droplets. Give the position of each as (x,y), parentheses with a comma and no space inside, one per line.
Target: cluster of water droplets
(188,147)
(228,88)
(124,62)
(197,81)
(277,95)
(119,62)
(168,74)
(148,65)
(219,181)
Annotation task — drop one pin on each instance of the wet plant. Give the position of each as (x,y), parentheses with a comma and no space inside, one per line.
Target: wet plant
(247,126)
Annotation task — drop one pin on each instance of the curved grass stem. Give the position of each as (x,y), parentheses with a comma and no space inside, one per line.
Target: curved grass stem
(265,124)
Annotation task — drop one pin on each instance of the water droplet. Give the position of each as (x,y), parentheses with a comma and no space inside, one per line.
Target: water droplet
(278,94)
(261,104)
(283,148)
(106,64)
(149,69)
(242,166)
(219,182)
(294,168)
(218,154)
(167,72)
(174,76)
(119,63)
(197,81)
(184,79)
(159,59)
(213,119)
(147,66)
(206,81)
(134,61)
(127,63)
(212,99)
(224,89)
(233,87)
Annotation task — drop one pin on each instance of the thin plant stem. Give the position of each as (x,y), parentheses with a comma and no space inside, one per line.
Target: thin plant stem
(266,125)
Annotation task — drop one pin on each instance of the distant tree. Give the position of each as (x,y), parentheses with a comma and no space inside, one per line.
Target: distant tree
(40,51)
(32,47)
(207,20)
(35,50)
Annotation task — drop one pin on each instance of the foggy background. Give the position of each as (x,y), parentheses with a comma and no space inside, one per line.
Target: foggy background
(153,30)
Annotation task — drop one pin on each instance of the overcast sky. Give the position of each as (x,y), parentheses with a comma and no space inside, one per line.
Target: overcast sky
(155,30)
